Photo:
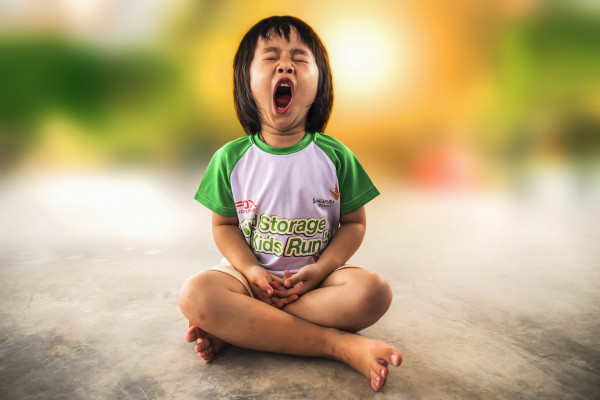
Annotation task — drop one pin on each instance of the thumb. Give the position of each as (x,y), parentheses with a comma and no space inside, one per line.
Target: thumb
(292,280)
(265,286)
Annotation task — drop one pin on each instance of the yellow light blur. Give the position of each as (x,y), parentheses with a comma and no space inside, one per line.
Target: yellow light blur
(374,55)
(365,60)
(439,83)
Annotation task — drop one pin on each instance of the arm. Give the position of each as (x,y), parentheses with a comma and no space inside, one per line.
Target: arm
(343,245)
(231,243)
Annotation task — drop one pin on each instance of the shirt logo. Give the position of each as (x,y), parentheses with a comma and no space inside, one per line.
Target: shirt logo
(247,206)
(326,203)
(335,194)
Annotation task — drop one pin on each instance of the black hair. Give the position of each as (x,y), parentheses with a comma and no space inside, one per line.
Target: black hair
(245,107)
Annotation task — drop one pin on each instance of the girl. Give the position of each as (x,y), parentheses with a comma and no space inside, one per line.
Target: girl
(288,213)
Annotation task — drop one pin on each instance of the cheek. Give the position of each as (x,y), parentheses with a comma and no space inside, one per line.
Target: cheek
(312,83)
(257,84)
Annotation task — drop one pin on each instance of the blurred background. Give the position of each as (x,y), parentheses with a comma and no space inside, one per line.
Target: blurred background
(478,120)
(434,94)
(431,95)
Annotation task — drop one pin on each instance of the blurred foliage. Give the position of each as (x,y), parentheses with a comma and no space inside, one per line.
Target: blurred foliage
(171,100)
(549,85)
(108,94)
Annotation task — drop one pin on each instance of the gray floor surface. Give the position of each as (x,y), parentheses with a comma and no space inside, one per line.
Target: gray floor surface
(495,297)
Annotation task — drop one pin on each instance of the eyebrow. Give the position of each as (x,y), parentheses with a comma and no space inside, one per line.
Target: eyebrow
(278,50)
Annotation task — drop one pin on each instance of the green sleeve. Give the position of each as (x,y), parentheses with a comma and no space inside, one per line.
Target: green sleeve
(356,188)
(215,189)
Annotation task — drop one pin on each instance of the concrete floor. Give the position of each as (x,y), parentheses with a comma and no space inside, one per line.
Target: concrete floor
(495,298)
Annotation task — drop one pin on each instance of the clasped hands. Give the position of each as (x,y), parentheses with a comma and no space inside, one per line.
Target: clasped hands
(278,291)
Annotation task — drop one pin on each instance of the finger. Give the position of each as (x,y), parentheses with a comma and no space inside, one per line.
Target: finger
(284,292)
(275,285)
(264,285)
(289,300)
(292,281)
(277,279)
(277,302)
(281,292)
(298,289)
(260,295)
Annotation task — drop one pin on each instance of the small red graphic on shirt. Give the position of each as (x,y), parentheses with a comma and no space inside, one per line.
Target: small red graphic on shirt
(335,194)
(246,206)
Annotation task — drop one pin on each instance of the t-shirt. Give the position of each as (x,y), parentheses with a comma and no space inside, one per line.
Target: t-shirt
(288,199)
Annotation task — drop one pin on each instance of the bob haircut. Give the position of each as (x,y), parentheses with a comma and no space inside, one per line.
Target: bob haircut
(245,107)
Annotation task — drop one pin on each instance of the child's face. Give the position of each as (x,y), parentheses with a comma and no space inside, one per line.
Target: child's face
(284,79)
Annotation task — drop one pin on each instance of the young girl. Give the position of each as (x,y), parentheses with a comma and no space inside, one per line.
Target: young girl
(288,213)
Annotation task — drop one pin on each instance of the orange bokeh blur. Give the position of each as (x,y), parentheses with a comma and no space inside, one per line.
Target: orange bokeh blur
(431,93)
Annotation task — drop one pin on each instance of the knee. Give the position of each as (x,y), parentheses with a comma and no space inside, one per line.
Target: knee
(194,296)
(372,296)
(376,293)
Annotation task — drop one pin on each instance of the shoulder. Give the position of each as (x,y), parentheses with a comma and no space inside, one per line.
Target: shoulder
(231,152)
(236,146)
(335,150)
(328,142)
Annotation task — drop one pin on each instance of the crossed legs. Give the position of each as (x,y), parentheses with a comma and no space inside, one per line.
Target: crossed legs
(318,324)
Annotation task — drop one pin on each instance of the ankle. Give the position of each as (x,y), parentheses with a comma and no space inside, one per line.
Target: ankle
(335,345)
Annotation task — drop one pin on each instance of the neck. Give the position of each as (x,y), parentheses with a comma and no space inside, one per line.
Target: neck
(276,139)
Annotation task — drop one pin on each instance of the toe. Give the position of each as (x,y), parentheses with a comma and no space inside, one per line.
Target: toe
(396,358)
(380,369)
(192,334)
(373,380)
(204,346)
(376,381)
(203,343)
(379,373)
(393,356)
(206,353)
(383,372)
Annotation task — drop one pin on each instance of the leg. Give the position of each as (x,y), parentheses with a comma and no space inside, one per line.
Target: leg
(214,302)
(207,345)
(356,298)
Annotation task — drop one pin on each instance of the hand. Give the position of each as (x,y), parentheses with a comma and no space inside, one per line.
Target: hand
(265,285)
(305,280)
(281,296)
(260,283)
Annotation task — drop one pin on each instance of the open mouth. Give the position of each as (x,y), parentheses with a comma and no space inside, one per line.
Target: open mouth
(282,97)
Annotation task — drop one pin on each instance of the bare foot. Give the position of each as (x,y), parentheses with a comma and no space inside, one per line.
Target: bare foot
(369,357)
(207,346)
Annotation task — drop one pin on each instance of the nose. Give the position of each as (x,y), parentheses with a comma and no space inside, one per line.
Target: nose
(285,66)
(289,69)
